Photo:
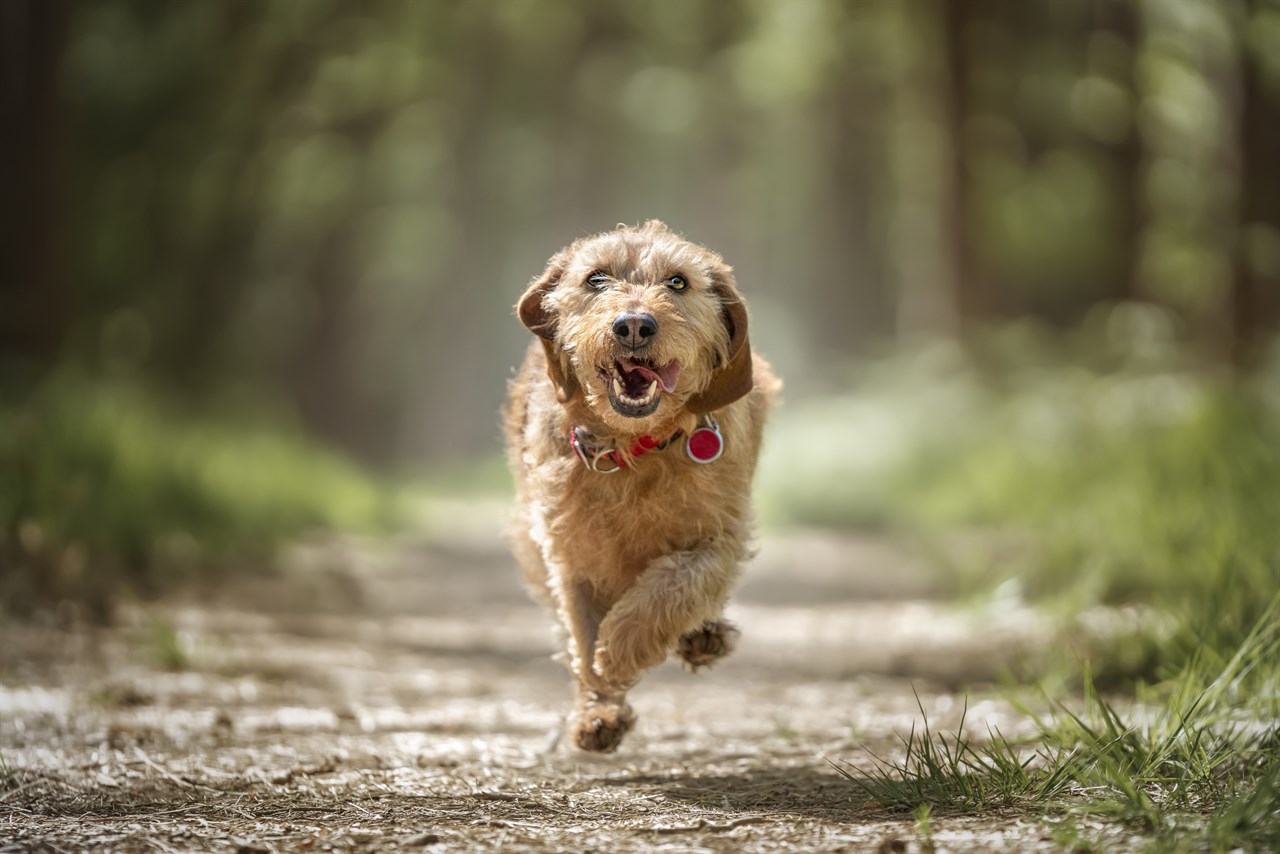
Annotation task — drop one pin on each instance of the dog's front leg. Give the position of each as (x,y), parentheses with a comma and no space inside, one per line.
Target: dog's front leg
(602,716)
(676,594)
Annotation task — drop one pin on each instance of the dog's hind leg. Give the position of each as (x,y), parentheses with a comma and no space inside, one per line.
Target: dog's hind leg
(529,556)
(707,644)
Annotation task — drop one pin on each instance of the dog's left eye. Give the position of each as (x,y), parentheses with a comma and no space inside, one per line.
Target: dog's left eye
(597,280)
(677,283)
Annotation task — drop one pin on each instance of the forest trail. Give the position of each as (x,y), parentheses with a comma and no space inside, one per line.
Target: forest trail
(378,698)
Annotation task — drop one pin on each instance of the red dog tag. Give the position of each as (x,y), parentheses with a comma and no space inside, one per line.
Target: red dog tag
(705,445)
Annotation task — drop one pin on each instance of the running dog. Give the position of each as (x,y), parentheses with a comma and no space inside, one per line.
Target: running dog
(633,429)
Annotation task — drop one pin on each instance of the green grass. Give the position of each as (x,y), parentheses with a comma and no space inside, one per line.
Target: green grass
(1193,763)
(166,645)
(1121,482)
(924,831)
(108,492)
(952,774)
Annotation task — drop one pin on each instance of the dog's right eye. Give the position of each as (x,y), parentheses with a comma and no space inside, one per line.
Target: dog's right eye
(597,280)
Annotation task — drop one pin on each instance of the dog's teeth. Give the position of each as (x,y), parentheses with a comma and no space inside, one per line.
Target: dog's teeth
(618,387)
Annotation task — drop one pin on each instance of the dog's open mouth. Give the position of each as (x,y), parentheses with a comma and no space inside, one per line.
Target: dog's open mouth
(636,385)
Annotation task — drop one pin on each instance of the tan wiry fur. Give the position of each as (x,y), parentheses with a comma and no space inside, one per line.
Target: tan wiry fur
(637,564)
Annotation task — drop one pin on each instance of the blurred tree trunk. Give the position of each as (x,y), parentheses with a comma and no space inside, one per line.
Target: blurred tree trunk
(336,401)
(596,153)
(850,108)
(926,234)
(322,379)
(1120,18)
(475,203)
(35,306)
(1191,238)
(1255,287)
(219,265)
(193,349)
(971,299)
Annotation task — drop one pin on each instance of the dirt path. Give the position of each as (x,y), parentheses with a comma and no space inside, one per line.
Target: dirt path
(390,698)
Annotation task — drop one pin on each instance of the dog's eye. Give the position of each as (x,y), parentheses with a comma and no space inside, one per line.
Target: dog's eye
(597,280)
(677,282)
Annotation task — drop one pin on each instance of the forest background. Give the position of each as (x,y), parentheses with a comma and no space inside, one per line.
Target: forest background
(1017,262)
(259,259)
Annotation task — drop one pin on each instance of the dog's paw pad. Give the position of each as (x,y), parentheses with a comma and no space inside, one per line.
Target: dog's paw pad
(601,727)
(707,645)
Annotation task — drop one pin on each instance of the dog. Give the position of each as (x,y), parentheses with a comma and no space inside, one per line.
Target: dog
(632,430)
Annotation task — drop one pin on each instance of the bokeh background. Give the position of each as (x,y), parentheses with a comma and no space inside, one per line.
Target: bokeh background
(1011,258)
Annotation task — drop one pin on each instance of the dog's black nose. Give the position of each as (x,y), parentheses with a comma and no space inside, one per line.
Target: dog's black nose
(634,329)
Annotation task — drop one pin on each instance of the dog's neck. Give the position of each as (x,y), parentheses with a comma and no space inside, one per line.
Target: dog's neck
(608,455)
(704,443)
(593,440)
(577,414)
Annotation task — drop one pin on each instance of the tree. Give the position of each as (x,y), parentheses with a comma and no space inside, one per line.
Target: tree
(35,308)
(1255,285)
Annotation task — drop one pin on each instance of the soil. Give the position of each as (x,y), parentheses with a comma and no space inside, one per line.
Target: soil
(373,697)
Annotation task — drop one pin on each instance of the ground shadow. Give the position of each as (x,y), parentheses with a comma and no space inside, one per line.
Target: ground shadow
(797,790)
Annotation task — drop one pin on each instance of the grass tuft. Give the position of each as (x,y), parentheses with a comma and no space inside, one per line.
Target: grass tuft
(1194,762)
(952,774)
(167,645)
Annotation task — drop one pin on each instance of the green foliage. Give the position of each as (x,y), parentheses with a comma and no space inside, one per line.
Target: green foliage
(1194,764)
(1104,474)
(1181,513)
(106,488)
(358,191)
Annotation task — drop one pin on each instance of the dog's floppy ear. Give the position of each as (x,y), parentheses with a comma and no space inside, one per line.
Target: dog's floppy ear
(733,377)
(541,321)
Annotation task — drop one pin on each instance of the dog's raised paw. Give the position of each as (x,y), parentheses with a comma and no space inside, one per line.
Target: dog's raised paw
(601,726)
(704,646)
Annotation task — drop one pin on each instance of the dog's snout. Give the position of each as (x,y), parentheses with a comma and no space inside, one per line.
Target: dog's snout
(634,329)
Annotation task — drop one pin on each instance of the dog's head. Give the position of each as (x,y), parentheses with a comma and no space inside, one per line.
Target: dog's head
(641,325)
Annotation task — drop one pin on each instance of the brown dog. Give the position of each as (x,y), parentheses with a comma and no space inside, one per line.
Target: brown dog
(633,429)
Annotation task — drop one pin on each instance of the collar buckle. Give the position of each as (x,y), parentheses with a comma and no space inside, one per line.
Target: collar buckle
(600,459)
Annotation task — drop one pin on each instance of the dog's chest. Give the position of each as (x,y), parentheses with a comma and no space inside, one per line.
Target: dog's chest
(619,523)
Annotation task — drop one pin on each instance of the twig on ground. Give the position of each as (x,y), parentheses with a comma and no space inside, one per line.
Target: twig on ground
(713,827)
(171,777)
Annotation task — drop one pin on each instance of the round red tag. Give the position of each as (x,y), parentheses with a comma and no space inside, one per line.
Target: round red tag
(705,445)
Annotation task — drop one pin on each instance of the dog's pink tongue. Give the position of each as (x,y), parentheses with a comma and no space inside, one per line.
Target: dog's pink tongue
(666,375)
